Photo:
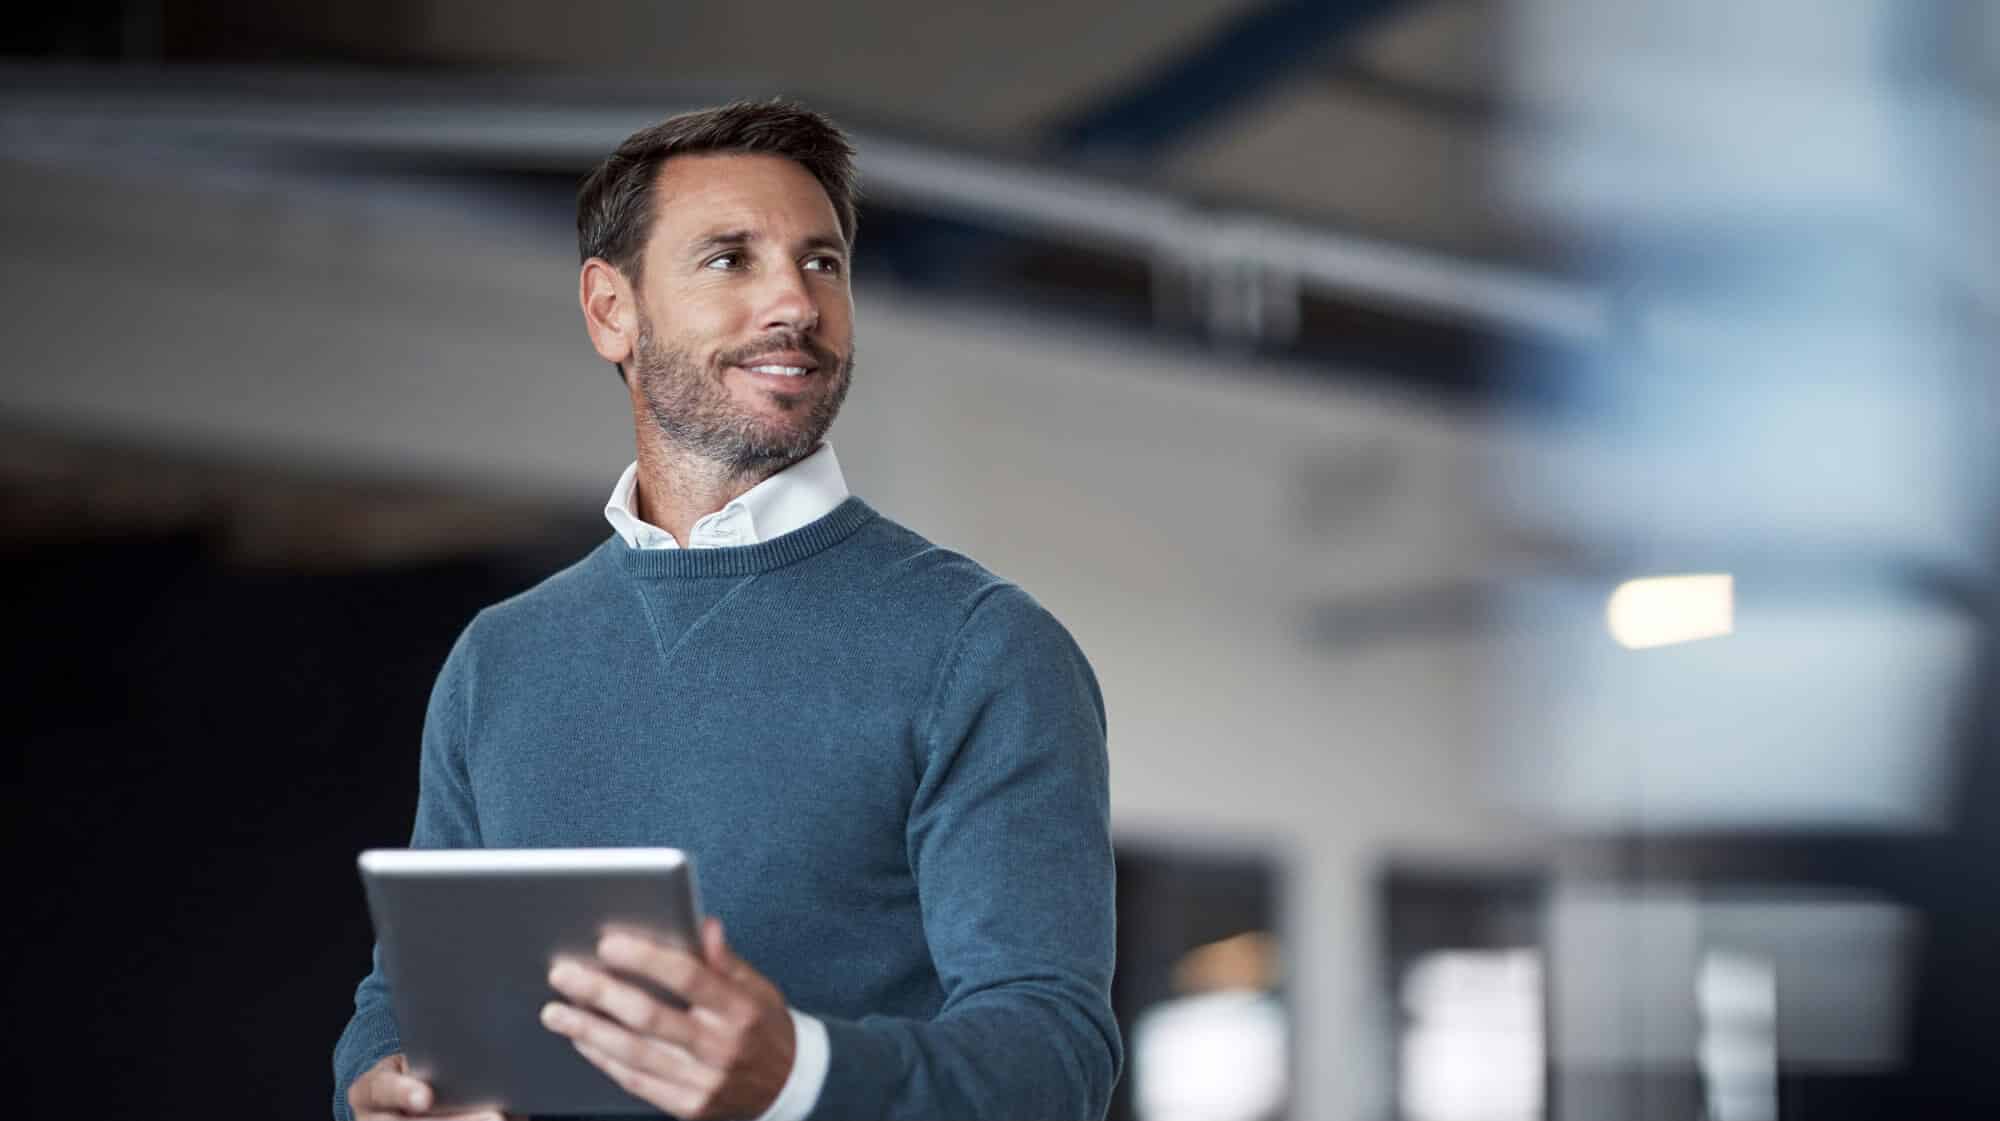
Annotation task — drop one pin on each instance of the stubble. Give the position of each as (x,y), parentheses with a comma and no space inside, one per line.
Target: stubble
(692,408)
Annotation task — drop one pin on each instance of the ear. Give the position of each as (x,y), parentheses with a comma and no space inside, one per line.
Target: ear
(610,310)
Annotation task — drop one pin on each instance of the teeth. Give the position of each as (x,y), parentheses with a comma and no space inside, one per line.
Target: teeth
(787,371)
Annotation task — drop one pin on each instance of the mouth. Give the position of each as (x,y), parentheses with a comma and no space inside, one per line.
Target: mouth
(785,366)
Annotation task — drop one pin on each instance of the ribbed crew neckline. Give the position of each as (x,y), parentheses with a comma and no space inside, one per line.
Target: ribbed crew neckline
(743,560)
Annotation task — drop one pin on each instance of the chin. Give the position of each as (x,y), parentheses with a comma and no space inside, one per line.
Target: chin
(783,435)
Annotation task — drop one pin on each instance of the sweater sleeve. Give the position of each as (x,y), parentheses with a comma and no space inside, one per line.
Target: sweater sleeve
(445,819)
(1009,839)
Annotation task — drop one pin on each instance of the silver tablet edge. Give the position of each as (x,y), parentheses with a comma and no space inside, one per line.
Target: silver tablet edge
(417,862)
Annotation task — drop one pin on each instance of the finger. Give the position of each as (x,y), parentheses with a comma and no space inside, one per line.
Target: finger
(652,1056)
(715,948)
(681,1101)
(384,1090)
(679,971)
(627,1004)
(723,959)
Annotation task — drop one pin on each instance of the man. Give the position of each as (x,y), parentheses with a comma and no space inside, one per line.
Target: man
(888,763)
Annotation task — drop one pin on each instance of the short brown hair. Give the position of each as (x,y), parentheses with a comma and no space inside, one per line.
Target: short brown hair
(614,207)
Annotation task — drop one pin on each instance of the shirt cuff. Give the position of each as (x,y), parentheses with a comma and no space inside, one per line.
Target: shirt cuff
(809,1064)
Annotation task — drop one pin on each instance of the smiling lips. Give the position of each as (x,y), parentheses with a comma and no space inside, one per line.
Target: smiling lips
(787,364)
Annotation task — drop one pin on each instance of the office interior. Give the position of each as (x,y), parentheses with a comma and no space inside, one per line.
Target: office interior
(1523,471)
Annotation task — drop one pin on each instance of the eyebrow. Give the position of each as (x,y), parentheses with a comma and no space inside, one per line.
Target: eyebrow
(737,239)
(826,242)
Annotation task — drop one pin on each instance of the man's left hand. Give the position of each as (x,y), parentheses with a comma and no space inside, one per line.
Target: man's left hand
(726,1056)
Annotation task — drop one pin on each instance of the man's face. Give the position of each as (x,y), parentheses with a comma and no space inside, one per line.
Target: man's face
(746,321)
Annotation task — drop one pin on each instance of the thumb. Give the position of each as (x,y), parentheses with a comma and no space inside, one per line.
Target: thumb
(714,946)
(723,960)
(716,952)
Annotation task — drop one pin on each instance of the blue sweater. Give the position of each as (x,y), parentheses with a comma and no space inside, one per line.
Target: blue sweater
(888,763)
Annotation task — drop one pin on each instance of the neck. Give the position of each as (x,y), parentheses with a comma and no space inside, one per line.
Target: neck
(677,488)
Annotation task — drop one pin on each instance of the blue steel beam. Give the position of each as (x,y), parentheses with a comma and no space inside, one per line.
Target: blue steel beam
(1250,54)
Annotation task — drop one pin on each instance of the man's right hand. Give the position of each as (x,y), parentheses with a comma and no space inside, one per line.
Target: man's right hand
(389,1091)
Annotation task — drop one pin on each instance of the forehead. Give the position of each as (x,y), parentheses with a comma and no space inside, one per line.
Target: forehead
(696,195)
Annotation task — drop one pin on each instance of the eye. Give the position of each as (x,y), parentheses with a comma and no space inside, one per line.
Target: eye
(825,262)
(728,260)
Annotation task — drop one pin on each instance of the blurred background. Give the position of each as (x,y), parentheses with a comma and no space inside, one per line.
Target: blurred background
(1523,470)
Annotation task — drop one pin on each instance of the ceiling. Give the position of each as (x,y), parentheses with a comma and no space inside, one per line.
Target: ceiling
(1370,116)
(1331,178)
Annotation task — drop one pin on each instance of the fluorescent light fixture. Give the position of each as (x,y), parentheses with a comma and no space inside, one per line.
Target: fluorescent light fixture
(1664,610)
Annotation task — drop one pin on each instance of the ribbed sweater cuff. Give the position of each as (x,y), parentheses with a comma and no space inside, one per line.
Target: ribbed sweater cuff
(363,1051)
(860,1063)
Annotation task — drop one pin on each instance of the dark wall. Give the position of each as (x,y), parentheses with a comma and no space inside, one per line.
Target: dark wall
(201,749)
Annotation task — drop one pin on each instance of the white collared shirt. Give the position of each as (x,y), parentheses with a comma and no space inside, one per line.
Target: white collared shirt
(792,499)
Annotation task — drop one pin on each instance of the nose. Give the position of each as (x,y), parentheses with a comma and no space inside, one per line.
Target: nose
(789,302)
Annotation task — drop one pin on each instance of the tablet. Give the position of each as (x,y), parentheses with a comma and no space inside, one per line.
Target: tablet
(467,938)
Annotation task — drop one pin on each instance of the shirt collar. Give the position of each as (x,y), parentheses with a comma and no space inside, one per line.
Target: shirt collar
(791,499)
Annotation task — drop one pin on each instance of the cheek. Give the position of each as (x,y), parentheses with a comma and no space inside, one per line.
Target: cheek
(696,324)
(836,324)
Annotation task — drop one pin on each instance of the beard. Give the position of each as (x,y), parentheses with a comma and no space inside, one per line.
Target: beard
(692,406)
